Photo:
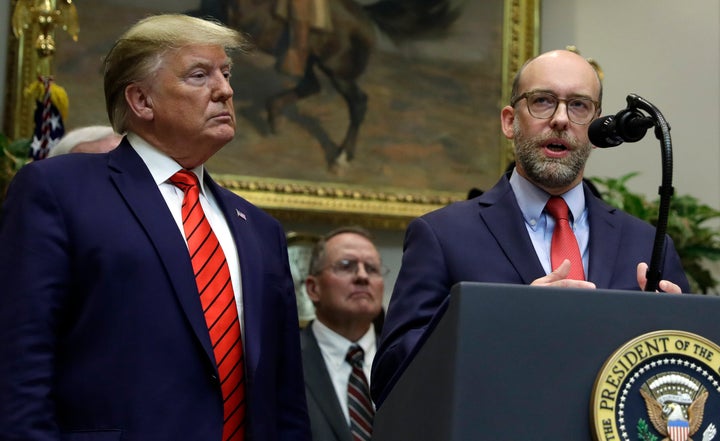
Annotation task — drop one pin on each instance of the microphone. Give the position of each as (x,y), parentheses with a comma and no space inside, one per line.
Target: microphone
(628,125)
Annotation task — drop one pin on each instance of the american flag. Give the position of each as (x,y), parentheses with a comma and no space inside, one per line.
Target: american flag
(51,107)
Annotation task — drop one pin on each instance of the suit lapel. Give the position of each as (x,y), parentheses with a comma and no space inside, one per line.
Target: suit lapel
(137,187)
(604,241)
(320,385)
(251,269)
(503,218)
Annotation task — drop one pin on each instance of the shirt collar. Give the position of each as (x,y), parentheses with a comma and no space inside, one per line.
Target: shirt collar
(161,166)
(575,198)
(532,199)
(336,346)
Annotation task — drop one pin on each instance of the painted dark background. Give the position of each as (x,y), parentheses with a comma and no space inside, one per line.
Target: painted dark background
(433,106)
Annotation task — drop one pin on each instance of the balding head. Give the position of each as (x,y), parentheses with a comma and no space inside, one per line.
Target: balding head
(561,65)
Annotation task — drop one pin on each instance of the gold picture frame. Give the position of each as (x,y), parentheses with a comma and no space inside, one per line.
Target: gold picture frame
(321,196)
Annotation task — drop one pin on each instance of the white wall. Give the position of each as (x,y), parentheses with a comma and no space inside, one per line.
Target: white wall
(668,52)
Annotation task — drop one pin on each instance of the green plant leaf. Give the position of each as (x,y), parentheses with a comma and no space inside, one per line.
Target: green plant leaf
(695,240)
(13,155)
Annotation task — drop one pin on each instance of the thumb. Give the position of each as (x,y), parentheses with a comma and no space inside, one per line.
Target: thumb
(561,272)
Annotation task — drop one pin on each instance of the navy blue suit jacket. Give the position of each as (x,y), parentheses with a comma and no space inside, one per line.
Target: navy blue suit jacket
(102,335)
(485,240)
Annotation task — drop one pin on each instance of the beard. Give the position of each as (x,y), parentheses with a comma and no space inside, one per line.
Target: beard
(550,172)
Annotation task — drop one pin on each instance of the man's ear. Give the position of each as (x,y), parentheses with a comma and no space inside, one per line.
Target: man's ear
(311,287)
(140,103)
(507,118)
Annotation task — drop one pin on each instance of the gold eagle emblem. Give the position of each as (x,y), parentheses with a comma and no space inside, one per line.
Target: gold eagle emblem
(675,404)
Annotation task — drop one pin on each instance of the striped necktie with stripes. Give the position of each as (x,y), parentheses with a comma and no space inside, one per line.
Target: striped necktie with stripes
(359,404)
(218,302)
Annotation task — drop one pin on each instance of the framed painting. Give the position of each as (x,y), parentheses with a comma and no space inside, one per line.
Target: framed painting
(430,132)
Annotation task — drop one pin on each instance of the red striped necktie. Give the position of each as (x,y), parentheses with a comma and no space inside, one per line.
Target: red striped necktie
(359,403)
(564,244)
(218,302)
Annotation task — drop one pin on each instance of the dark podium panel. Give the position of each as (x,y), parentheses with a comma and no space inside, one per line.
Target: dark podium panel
(511,362)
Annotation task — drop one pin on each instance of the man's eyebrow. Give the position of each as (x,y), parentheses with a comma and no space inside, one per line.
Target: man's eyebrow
(552,92)
(227,63)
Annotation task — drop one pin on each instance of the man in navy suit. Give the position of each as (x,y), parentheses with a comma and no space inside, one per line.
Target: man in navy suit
(345,283)
(504,235)
(102,331)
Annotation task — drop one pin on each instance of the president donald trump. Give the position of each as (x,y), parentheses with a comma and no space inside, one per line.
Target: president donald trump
(140,300)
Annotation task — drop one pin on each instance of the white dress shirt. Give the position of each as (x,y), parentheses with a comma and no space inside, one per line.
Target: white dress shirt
(162,167)
(334,348)
(540,225)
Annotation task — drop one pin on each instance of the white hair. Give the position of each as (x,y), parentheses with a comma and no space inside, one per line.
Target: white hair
(80,135)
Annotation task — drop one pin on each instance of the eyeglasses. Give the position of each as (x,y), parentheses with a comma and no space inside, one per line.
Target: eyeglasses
(543,105)
(350,267)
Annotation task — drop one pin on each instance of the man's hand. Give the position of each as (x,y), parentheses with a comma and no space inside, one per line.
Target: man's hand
(558,278)
(664,285)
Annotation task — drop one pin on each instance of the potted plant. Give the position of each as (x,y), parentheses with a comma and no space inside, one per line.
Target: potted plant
(689,225)
(13,155)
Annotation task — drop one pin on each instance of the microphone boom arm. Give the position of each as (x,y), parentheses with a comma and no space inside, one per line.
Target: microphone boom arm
(662,133)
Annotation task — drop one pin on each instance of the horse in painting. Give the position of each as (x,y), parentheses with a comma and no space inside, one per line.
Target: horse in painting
(342,55)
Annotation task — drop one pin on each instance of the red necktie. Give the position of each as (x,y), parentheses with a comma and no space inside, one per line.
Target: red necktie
(564,244)
(359,403)
(218,302)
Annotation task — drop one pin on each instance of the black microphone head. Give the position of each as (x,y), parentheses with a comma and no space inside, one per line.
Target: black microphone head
(602,133)
(632,125)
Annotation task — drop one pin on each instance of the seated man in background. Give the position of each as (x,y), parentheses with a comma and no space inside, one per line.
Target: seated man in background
(345,283)
(509,234)
(90,139)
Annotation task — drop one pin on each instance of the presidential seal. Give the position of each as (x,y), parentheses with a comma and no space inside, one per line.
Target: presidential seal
(661,386)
